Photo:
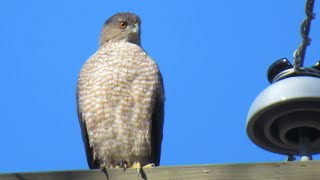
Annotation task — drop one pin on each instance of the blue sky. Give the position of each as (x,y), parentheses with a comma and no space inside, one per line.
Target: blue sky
(213,56)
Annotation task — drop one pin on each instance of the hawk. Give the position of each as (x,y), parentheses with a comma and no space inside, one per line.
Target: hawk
(120,99)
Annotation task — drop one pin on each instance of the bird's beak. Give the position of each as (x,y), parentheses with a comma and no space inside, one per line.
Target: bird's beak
(135,29)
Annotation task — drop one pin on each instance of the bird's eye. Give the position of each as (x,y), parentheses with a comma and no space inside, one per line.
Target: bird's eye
(123,24)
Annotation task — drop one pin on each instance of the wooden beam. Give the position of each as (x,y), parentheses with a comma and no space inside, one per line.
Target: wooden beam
(253,171)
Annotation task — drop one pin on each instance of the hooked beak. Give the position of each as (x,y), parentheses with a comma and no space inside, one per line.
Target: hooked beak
(135,29)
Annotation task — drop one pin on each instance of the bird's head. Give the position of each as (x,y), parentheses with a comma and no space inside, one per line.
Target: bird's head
(121,27)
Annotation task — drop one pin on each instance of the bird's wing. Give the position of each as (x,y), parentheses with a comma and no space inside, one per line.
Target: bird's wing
(85,138)
(157,123)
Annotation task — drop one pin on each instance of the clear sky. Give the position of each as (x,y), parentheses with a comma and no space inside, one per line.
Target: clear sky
(213,56)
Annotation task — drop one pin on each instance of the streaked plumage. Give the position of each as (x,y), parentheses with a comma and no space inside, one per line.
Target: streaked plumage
(120,98)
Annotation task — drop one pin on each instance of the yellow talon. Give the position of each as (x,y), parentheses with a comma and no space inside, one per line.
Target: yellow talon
(137,165)
(149,165)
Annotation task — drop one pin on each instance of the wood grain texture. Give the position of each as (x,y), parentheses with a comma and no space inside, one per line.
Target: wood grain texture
(283,170)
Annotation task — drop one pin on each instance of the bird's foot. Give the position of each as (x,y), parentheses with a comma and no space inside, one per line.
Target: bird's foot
(151,165)
(137,166)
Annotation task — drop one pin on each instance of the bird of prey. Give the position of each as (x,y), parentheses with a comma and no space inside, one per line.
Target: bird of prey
(120,99)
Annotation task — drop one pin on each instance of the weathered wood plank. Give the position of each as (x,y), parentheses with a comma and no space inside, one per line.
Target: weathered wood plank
(283,170)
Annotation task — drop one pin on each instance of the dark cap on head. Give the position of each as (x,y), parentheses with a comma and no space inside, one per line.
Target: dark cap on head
(125,16)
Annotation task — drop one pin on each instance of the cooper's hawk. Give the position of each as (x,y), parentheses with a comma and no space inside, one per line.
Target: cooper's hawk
(120,99)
